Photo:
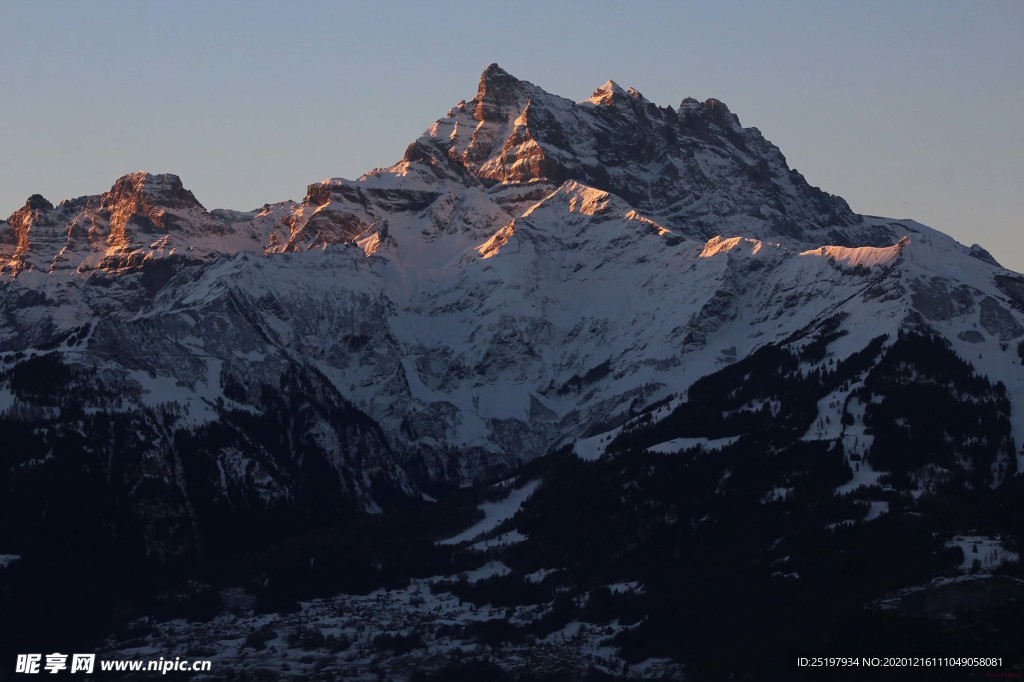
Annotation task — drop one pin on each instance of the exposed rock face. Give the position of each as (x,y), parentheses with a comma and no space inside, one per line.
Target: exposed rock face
(696,166)
(999,321)
(16,232)
(978,252)
(141,216)
(146,199)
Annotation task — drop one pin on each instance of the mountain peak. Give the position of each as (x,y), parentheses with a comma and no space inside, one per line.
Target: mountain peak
(25,216)
(635,94)
(149,200)
(497,94)
(37,202)
(159,189)
(163,188)
(689,104)
(610,86)
(493,70)
(515,132)
(18,224)
(607,93)
(710,109)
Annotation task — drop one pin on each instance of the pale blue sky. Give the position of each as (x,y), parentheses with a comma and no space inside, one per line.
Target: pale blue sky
(907,109)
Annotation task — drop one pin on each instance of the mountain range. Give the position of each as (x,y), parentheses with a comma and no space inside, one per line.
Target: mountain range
(540,292)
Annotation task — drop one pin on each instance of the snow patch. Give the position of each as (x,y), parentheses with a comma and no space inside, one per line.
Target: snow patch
(505,539)
(495,514)
(987,551)
(677,444)
(491,569)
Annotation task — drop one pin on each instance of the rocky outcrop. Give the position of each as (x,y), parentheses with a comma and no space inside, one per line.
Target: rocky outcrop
(144,199)
(695,167)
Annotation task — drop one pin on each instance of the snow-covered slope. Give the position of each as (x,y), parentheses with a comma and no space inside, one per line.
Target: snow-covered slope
(533,272)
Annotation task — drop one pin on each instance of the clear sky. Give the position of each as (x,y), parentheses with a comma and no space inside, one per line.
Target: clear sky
(907,109)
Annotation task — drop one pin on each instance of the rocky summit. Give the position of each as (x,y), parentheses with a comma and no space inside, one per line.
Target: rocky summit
(580,299)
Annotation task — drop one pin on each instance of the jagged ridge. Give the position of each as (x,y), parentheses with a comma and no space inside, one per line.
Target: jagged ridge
(531,272)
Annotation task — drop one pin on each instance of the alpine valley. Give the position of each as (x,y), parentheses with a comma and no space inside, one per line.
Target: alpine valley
(575,390)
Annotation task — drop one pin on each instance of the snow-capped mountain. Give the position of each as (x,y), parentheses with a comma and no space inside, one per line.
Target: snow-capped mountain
(533,273)
(642,312)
